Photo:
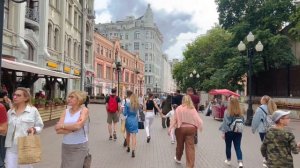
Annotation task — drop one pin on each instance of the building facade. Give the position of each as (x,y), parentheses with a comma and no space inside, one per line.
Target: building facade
(142,37)
(131,75)
(52,37)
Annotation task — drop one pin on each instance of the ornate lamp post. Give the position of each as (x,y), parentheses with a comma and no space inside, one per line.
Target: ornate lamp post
(250,52)
(118,65)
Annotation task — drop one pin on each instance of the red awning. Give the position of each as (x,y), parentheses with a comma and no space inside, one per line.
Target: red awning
(224,92)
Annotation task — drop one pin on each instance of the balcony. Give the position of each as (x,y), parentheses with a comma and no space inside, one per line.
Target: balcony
(91,14)
(32,18)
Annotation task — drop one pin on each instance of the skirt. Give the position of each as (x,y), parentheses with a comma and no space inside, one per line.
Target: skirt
(72,155)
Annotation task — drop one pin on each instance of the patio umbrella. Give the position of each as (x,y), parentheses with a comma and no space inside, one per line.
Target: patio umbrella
(224,92)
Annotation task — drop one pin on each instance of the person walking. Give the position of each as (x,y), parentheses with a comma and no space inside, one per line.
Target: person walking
(73,125)
(170,115)
(87,100)
(233,114)
(3,130)
(131,123)
(157,101)
(149,106)
(166,107)
(113,113)
(261,119)
(186,122)
(196,101)
(23,119)
(279,143)
(177,98)
(123,118)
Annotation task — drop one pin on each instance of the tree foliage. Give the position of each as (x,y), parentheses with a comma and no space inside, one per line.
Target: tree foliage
(215,56)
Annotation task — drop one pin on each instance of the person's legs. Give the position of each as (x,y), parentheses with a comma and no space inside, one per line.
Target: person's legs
(163,122)
(109,125)
(133,139)
(190,147)
(149,116)
(228,142)
(262,136)
(180,143)
(115,119)
(173,135)
(237,138)
(2,150)
(168,122)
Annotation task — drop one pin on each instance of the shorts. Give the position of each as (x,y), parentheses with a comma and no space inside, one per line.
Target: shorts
(112,117)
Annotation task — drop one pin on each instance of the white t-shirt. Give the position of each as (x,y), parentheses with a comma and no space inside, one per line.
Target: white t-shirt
(170,114)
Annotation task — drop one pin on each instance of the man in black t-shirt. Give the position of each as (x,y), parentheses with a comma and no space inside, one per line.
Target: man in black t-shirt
(177,99)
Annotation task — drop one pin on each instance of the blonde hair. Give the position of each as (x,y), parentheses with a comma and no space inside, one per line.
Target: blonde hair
(80,95)
(26,93)
(187,101)
(270,104)
(134,102)
(234,108)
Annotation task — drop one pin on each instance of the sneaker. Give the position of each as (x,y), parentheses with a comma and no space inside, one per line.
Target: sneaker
(172,142)
(240,165)
(177,161)
(227,162)
(148,139)
(265,165)
(110,137)
(115,135)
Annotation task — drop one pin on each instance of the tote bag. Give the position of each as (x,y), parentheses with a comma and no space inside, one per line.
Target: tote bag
(29,149)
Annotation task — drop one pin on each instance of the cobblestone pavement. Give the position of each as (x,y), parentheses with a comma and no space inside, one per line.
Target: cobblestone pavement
(159,153)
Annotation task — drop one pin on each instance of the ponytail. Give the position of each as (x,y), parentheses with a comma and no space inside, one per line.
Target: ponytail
(271,106)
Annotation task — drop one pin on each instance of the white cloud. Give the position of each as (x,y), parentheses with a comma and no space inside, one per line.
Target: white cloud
(103,17)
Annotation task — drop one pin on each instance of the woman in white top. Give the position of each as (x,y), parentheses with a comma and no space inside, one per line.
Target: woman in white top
(73,125)
(23,119)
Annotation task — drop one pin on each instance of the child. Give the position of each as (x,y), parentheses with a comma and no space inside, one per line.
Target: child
(170,115)
(279,144)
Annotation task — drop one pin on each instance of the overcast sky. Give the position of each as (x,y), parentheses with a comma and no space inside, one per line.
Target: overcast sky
(180,21)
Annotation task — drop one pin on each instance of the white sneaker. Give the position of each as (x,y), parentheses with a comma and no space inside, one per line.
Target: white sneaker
(265,165)
(240,165)
(172,142)
(227,162)
(177,161)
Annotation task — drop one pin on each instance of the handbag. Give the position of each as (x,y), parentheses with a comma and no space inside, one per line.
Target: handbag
(29,149)
(87,161)
(122,125)
(141,125)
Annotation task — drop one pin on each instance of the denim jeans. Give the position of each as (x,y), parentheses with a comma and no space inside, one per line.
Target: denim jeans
(2,151)
(262,136)
(236,139)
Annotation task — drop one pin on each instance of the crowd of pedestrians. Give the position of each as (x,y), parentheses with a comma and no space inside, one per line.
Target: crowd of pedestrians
(178,113)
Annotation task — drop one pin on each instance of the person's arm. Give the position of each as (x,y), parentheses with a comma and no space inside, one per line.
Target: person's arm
(173,123)
(58,127)
(106,103)
(158,109)
(256,120)
(293,144)
(3,122)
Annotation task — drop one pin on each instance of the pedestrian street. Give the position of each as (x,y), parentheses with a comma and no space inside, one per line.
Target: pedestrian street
(159,153)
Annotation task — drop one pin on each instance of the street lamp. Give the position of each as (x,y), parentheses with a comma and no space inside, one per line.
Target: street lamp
(118,65)
(156,87)
(250,52)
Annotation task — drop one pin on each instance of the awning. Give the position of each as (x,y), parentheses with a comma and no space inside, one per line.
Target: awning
(17,66)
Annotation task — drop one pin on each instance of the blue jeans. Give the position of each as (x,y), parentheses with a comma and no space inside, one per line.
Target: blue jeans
(2,151)
(262,136)
(236,139)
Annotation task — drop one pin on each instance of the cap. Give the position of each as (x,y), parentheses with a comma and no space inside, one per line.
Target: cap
(278,114)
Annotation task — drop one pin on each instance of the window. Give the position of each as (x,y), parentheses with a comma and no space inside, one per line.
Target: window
(6,13)
(150,66)
(109,53)
(75,51)
(101,50)
(121,36)
(75,19)
(56,39)
(146,67)
(108,73)
(49,35)
(99,70)
(79,22)
(86,56)
(147,34)
(132,78)
(106,52)
(148,46)
(70,13)
(136,45)
(98,48)
(69,48)
(126,36)
(146,56)
(137,35)
(30,51)
(126,77)
(126,46)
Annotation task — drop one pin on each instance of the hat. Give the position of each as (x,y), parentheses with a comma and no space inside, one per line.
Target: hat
(278,114)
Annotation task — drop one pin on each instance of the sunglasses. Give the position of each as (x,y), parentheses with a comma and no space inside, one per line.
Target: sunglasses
(17,95)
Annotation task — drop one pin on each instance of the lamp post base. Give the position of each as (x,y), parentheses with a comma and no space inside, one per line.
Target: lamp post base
(249,117)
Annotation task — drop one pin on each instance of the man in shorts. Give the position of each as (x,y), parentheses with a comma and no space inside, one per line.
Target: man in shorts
(113,106)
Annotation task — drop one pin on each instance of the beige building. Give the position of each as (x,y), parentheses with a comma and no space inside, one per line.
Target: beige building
(131,75)
(47,42)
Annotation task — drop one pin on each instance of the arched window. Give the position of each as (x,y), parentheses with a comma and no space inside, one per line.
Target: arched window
(86,56)
(30,51)
(56,39)
(69,48)
(49,35)
(75,51)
